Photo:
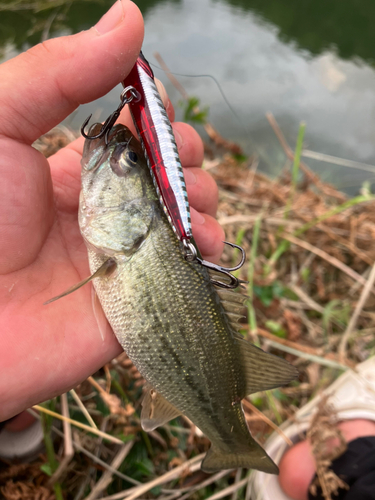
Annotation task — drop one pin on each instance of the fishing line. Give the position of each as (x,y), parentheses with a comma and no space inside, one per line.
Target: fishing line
(251,142)
(217,85)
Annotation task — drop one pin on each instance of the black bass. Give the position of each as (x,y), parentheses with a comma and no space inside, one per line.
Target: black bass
(174,324)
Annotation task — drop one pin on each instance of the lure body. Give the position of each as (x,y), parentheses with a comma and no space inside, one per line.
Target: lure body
(155,132)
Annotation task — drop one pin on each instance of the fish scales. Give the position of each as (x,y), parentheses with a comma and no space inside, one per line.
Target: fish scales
(165,312)
(146,310)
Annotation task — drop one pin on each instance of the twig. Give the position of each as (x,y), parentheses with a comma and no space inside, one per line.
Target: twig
(78,424)
(289,343)
(227,491)
(68,446)
(107,477)
(310,357)
(192,464)
(269,422)
(249,486)
(306,299)
(83,408)
(93,457)
(207,482)
(236,481)
(97,386)
(357,311)
(171,77)
(250,219)
(338,161)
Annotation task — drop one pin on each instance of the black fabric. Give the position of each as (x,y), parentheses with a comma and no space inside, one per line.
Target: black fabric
(357,468)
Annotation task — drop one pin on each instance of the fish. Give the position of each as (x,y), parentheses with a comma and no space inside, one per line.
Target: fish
(176,326)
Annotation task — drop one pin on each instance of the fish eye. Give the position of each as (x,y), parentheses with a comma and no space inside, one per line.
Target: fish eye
(132,156)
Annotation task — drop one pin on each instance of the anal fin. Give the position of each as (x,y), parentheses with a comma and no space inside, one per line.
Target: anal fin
(156,410)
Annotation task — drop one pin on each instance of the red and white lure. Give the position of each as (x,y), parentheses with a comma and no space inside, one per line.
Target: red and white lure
(156,135)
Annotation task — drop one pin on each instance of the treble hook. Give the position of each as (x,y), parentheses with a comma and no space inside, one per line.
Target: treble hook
(111,120)
(234,282)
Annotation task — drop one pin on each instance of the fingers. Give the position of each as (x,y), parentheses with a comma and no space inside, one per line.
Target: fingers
(202,190)
(297,469)
(190,145)
(42,86)
(209,235)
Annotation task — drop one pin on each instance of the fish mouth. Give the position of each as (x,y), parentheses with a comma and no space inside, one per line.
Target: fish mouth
(97,151)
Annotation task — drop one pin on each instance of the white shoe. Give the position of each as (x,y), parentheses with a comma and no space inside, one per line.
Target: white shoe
(352,395)
(24,444)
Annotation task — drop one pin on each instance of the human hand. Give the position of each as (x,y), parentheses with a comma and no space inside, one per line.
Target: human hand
(46,350)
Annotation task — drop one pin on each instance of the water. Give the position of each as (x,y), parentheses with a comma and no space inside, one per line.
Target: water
(301,60)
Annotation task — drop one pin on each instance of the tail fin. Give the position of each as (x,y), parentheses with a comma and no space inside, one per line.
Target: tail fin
(255,458)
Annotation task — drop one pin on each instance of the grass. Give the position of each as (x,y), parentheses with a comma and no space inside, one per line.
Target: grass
(52,463)
(311,299)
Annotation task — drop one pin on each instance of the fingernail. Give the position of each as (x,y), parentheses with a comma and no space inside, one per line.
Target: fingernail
(197,218)
(111,19)
(190,178)
(179,139)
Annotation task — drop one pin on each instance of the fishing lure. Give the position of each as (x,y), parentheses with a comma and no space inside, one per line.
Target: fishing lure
(156,135)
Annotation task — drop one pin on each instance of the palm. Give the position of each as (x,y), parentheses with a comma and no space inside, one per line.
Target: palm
(42,254)
(47,349)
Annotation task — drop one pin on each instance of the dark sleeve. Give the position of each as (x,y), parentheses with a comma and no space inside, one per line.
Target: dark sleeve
(357,468)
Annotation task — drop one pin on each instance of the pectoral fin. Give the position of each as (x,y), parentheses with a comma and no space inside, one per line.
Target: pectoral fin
(263,371)
(156,410)
(106,269)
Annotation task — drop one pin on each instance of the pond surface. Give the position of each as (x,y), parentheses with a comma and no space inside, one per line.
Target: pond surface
(302,60)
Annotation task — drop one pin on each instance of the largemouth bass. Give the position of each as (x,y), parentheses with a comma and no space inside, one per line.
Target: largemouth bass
(174,324)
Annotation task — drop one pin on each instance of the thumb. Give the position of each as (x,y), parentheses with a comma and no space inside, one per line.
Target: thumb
(42,86)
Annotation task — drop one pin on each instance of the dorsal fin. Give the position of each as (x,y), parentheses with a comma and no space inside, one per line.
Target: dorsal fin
(233,304)
(231,296)
(263,371)
(215,276)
